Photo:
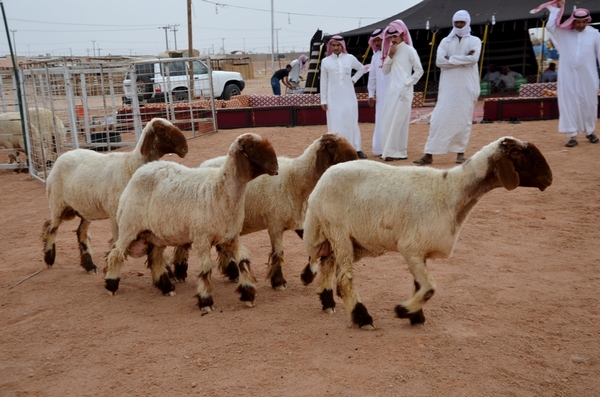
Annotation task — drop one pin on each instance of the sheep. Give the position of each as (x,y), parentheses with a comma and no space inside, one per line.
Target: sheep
(47,134)
(366,208)
(168,204)
(88,184)
(279,203)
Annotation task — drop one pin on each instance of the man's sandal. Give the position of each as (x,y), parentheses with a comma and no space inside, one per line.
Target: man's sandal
(592,138)
(422,161)
(571,143)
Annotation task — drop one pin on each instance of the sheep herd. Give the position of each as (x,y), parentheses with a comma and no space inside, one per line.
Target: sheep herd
(343,209)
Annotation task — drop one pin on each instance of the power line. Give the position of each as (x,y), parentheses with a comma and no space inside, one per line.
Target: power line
(290,13)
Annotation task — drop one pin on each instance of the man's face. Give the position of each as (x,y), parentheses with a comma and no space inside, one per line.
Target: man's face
(336,48)
(377,43)
(459,24)
(396,39)
(580,24)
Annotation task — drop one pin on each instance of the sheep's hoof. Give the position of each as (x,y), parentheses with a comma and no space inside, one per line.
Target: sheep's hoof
(368,327)
(247,292)
(361,317)
(415,318)
(93,271)
(205,304)
(281,287)
(164,284)
(327,300)
(112,285)
(181,271)
(50,255)
(87,263)
(307,276)
(172,293)
(249,303)
(206,309)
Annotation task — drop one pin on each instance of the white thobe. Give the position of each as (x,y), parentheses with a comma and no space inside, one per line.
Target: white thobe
(577,77)
(294,75)
(378,82)
(452,118)
(404,71)
(337,92)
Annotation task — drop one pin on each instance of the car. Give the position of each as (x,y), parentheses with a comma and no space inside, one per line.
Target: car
(160,76)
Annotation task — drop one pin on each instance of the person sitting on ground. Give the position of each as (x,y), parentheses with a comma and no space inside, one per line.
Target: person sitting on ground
(280,75)
(508,79)
(550,75)
(492,76)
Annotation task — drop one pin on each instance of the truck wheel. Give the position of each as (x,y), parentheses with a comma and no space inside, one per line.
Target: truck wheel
(230,90)
(145,87)
(180,95)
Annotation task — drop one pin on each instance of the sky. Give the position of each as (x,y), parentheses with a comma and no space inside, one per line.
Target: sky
(146,27)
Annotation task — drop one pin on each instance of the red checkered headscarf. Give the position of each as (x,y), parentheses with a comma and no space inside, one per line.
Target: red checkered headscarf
(338,39)
(395,28)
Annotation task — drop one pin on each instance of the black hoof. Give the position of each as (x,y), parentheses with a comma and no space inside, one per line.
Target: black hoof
(88,264)
(164,284)
(327,299)
(360,316)
(307,275)
(247,293)
(112,284)
(50,255)
(232,272)
(415,318)
(181,270)
(205,302)
(277,279)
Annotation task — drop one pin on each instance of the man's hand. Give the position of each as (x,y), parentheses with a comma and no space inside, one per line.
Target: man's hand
(471,52)
(371,102)
(393,50)
(324,107)
(559,3)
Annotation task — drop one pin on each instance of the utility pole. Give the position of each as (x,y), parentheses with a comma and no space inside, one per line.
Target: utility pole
(223,45)
(94,47)
(174,30)
(190,48)
(98,50)
(166,28)
(88,52)
(277,35)
(272,36)
(14,42)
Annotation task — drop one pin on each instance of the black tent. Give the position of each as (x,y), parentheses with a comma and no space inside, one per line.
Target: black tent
(506,23)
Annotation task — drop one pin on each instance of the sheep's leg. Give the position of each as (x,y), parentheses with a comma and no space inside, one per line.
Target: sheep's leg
(85,251)
(180,261)
(227,263)
(247,280)
(158,267)
(310,271)
(114,262)
(205,288)
(423,291)
(275,264)
(50,229)
(325,288)
(345,287)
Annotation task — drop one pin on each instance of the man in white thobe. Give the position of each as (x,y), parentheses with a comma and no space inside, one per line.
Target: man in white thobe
(338,97)
(403,66)
(579,48)
(452,118)
(298,66)
(377,86)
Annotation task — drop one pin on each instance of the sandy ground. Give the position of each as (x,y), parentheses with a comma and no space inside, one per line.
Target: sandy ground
(516,312)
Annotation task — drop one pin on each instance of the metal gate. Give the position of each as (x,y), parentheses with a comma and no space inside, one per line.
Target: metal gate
(70,104)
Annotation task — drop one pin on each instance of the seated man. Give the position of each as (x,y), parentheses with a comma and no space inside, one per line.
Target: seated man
(492,76)
(508,79)
(549,75)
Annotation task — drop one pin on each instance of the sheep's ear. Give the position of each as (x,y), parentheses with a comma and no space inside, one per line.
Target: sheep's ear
(506,172)
(242,165)
(325,154)
(149,138)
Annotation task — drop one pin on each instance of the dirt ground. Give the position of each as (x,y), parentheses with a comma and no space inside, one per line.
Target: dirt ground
(516,311)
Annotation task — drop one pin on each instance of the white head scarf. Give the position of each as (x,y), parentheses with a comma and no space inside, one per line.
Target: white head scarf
(462,16)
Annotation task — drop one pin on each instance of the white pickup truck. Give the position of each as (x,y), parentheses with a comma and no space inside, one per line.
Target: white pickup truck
(156,77)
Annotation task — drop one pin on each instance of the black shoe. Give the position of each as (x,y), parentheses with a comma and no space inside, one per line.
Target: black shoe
(592,138)
(571,143)
(361,155)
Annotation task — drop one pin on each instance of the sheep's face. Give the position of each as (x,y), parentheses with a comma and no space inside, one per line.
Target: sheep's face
(255,156)
(162,137)
(522,164)
(333,149)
